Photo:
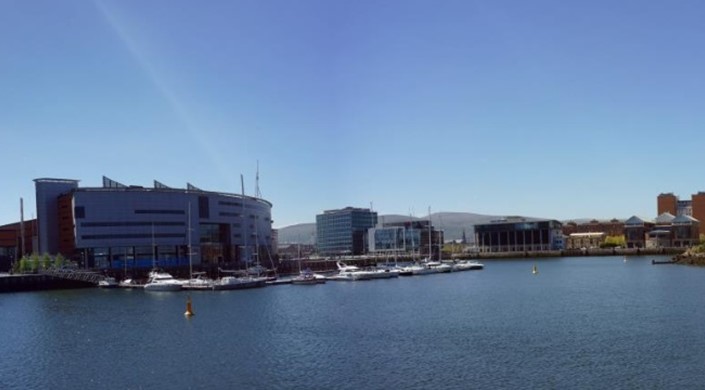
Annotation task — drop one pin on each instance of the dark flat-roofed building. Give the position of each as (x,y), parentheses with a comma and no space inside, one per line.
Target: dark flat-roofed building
(519,234)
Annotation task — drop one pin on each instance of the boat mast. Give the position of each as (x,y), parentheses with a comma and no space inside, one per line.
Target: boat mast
(245,255)
(154,249)
(430,245)
(190,262)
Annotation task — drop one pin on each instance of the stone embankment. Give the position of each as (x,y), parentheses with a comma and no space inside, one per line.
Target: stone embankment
(690,257)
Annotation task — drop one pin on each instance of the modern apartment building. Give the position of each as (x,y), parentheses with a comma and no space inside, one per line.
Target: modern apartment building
(670,203)
(342,232)
(117,225)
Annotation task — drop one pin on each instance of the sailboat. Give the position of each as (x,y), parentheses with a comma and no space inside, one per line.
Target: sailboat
(197,280)
(234,282)
(306,277)
(158,279)
(128,282)
(428,265)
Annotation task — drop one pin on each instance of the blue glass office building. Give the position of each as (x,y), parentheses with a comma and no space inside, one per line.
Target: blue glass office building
(342,232)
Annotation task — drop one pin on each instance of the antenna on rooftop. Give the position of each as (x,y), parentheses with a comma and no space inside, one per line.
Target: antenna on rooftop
(242,184)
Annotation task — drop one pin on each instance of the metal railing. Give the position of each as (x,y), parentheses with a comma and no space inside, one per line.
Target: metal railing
(73,274)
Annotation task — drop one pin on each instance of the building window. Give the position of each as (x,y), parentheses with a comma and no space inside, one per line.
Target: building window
(79,212)
(203,207)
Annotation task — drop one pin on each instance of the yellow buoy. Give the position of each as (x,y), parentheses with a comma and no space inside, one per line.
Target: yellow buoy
(535,270)
(189,311)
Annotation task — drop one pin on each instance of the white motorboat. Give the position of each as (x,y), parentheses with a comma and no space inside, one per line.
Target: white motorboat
(307,277)
(129,283)
(199,281)
(466,265)
(108,282)
(382,272)
(239,282)
(162,281)
(425,268)
(350,273)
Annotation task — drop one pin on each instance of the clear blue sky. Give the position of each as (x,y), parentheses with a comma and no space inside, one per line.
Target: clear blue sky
(540,108)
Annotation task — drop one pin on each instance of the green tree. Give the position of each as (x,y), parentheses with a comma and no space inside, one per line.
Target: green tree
(34,262)
(45,261)
(59,261)
(614,241)
(24,264)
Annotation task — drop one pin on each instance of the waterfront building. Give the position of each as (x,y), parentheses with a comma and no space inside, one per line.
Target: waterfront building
(342,232)
(12,243)
(612,227)
(686,231)
(107,226)
(695,207)
(585,240)
(408,237)
(519,234)
(635,231)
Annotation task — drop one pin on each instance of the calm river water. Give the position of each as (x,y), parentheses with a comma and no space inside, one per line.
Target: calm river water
(579,323)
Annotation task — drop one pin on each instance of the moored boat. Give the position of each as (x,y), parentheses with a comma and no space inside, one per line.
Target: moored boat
(466,265)
(162,281)
(307,277)
(239,282)
(129,283)
(108,282)
(350,273)
(199,281)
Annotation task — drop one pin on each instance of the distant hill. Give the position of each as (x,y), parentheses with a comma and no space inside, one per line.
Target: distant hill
(302,233)
(451,223)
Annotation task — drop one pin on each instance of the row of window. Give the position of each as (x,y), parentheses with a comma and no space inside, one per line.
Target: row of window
(124,224)
(136,235)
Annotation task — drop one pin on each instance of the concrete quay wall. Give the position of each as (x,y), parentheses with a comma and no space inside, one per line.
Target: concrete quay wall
(34,282)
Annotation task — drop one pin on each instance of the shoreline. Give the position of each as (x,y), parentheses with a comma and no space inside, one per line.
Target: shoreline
(39,282)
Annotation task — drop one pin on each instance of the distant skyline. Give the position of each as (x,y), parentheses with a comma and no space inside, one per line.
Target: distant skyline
(546,109)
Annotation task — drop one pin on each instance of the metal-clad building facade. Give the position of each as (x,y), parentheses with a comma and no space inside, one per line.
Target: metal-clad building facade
(110,225)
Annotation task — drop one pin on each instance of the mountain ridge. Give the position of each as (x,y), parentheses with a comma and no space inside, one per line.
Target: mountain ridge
(452,223)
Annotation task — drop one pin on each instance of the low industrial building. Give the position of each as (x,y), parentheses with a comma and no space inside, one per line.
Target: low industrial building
(612,227)
(585,240)
(16,240)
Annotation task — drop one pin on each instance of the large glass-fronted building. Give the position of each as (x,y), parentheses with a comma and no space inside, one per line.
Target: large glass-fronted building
(518,234)
(409,237)
(117,225)
(342,232)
